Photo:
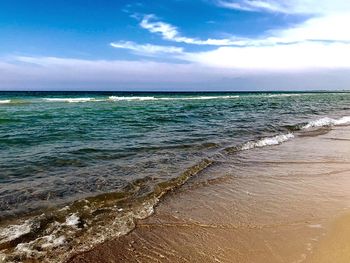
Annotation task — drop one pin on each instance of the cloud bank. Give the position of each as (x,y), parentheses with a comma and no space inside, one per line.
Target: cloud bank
(52,73)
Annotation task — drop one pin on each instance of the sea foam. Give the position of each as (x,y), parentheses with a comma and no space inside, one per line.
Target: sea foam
(72,220)
(324,122)
(5,101)
(269,141)
(15,231)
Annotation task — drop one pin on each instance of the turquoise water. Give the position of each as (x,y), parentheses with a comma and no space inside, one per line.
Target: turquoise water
(59,147)
(77,168)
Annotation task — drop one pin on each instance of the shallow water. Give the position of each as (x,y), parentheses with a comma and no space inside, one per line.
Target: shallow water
(272,204)
(111,156)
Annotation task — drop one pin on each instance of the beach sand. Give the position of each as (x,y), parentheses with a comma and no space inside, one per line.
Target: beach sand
(285,203)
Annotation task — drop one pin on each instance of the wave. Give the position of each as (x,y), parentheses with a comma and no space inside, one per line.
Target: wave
(122,98)
(283,95)
(278,139)
(117,98)
(269,141)
(324,122)
(134,98)
(70,100)
(205,98)
(55,235)
(137,98)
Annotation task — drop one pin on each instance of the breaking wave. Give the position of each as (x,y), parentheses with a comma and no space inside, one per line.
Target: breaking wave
(117,98)
(283,95)
(134,98)
(324,122)
(70,100)
(269,141)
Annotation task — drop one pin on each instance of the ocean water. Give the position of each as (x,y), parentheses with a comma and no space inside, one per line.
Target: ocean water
(89,164)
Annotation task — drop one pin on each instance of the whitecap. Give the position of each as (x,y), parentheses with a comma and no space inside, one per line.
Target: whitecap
(150,98)
(5,101)
(117,98)
(283,95)
(208,97)
(70,100)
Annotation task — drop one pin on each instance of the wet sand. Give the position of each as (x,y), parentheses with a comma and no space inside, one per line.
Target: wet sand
(285,203)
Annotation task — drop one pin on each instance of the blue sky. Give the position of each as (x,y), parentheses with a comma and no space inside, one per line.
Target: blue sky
(174,45)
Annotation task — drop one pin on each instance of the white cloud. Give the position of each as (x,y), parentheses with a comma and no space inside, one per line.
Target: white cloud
(332,27)
(289,7)
(253,6)
(276,58)
(327,28)
(320,42)
(147,49)
(171,33)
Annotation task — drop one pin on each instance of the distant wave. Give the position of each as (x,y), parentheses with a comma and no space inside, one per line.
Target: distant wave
(207,97)
(136,98)
(324,122)
(117,98)
(69,99)
(269,141)
(283,95)
(5,101)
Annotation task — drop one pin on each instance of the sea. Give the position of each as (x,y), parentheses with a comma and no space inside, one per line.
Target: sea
(78,168)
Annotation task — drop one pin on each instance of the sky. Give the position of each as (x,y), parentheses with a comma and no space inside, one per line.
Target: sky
(182,45)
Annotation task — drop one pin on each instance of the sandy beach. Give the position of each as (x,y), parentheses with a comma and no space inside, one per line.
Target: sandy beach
(286,203)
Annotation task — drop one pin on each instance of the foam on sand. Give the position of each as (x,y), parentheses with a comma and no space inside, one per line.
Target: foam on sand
(72,220)
(15,231)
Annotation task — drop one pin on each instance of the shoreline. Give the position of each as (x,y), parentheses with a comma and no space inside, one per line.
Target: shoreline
(274,203)
(231,175)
